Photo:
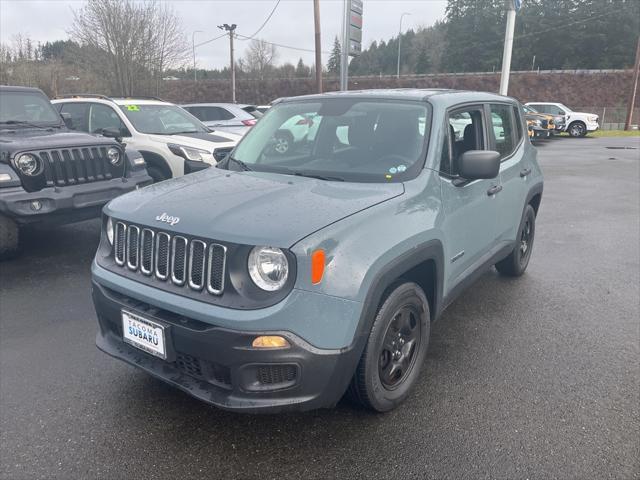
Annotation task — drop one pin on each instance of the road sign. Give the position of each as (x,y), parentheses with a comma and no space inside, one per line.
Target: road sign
(355,27)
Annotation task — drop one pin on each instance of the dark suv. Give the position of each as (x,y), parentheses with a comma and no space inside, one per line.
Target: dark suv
(50,173)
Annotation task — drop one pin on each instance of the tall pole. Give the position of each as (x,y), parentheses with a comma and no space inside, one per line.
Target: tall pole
(316,18)
(634,89)
(193,43)
(400,42)
(508,46)
(344,53)
(231,29)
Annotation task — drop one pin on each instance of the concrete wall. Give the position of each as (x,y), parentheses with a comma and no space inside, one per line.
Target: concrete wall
(587,89)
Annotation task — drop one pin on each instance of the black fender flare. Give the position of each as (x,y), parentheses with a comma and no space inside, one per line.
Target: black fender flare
(536,189)
(155,160)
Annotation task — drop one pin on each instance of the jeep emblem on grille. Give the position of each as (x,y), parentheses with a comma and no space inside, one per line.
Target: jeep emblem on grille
(163,217)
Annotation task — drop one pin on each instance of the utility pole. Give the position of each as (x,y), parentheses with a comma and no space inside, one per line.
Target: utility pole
(634,89)
(193,43)
(344,53)
(508,44)
(316,18)
(400,42)
(231,29)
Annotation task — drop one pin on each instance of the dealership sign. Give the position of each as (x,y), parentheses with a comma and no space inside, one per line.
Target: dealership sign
(355,27)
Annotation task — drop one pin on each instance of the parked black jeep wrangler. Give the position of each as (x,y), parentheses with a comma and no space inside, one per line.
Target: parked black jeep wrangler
(49,173)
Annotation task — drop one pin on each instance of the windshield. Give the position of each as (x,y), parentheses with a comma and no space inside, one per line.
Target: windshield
(565,108)
(162,119)
(358,140)
(27,107)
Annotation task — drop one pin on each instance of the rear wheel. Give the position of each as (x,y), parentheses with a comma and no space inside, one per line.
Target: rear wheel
(395,350)
(518,260)
(9,236)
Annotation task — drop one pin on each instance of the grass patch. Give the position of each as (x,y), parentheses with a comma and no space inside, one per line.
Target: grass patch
(614,133)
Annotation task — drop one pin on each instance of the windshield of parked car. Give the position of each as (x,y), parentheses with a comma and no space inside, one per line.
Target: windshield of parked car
(162,119)
(27,108)
(350,139)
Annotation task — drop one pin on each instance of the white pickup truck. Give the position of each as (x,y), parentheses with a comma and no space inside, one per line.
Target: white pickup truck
(577,124)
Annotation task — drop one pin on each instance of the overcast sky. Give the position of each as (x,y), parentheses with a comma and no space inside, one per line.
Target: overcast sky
(291,24)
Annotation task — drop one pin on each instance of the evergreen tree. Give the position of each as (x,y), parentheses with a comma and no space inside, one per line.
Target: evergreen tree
(302,71)
(423,62)
(333,65)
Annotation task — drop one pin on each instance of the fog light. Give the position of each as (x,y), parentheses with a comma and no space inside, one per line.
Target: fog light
(36,205)
(5,177)
(270,341)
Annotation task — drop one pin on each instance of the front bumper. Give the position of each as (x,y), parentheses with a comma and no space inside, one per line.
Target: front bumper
(69,203)
(219,366)
(592,126)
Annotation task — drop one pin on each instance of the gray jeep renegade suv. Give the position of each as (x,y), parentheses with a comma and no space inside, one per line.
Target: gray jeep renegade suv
(281,281)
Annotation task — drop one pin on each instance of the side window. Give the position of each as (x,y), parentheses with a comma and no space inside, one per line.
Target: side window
(466,132)
(212,114)
(103,116)
(539,108)
(502,123)
(555,110)
(518,121)
(79,113)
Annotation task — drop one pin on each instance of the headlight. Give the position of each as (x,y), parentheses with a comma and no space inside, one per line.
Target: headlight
(110,230)
(537,122)
(29,164)
(593,118)
(268,268)
(114,156)
(188,153)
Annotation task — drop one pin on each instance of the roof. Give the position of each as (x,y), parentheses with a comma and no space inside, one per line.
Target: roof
(11,88)
(81,97)
(417,94)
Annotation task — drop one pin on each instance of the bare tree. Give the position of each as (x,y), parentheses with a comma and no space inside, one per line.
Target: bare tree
(260,57)
(138,40)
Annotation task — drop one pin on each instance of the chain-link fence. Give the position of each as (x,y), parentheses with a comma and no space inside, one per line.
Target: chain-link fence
(611,118)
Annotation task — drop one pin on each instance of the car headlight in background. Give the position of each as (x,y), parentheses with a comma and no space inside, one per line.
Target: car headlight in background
(29,164)
(538,122)
(268,268)
(592,118)
(113,154)
(109,230)
(188,153)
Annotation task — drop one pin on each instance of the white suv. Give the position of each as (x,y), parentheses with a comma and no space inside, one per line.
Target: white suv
(576,124)
(172,141)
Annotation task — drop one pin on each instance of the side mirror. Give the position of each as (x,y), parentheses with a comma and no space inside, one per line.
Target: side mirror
(112,132)
(68,121)
(561,112)
(477,164)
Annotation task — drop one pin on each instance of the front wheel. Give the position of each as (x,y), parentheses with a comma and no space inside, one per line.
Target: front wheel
(577,129)
(395,350)
(518,260)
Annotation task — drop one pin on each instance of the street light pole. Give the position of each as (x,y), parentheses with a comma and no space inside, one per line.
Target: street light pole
(508,46)
(193,43)
(400,42)
(231,29)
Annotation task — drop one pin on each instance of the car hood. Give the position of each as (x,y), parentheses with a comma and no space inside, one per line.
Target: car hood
(13,141)
(251,208)
(204,141)
(572,114)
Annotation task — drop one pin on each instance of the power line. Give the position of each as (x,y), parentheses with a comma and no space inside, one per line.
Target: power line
(210,40)
(244,37)
(264,23)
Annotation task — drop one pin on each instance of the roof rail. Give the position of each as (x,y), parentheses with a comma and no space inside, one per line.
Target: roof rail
(141,97)
(83,95)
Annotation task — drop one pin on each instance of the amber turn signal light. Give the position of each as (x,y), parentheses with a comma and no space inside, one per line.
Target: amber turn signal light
(317,266)
(270,341)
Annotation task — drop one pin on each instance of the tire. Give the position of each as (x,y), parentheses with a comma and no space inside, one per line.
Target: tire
(156,174)
(577,129)
(283,143)
(375,384)
(9,238)
(516,263)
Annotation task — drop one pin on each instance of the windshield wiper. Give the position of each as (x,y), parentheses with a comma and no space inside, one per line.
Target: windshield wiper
(242,165)
(319,177)
(186,131)
(27,124)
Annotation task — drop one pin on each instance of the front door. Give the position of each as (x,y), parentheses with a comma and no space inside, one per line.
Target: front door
(471,208)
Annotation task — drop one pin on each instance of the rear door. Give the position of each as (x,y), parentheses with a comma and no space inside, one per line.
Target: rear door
(471,209)
(507,138)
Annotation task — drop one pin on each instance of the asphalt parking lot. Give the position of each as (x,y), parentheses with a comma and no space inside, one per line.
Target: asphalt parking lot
(533,378)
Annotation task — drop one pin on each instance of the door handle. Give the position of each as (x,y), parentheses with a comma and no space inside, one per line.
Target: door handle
(524,172)
(493,190)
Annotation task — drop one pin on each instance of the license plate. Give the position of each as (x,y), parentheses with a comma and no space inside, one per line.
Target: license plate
(144,334)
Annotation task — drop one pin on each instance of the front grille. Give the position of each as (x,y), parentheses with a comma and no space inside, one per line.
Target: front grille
(71,166)
(181,261)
